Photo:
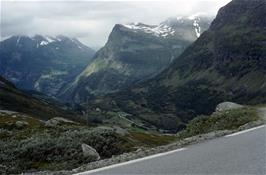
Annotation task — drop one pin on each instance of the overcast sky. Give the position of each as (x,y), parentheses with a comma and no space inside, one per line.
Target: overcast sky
(92,21)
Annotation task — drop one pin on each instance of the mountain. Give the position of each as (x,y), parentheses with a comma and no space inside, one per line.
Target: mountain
(134,52)
(226,63)
(13,99)
(43,63)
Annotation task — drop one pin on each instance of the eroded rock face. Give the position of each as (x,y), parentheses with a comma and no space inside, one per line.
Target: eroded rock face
(225,106)
(89,151)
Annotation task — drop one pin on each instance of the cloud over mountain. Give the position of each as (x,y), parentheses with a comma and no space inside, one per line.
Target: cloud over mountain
(91,22)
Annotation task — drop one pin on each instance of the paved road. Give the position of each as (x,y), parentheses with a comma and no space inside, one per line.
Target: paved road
(240,153)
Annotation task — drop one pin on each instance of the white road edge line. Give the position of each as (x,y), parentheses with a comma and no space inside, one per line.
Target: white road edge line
(244,131)
(130,162)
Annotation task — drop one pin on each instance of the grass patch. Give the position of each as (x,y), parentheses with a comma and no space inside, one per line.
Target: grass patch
(8,121)
(151,140)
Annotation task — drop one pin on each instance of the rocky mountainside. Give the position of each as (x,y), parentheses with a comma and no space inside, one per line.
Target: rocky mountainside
(13,99)
(42,63)
(226,63)
(135,52)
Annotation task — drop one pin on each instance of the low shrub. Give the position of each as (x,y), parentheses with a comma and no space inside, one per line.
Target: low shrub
(231,119)
(57,148)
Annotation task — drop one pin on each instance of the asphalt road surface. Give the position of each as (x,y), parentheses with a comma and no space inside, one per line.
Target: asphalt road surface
(242,153)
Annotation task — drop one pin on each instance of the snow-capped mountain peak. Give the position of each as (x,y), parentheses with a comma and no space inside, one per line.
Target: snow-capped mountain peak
(45,40)
(43,63)
(41,41)
(161,30)
(195,22)
(170,26)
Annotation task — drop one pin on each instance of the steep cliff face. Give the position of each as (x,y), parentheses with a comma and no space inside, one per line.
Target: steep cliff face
(227,62)
(134,52)
(42,63)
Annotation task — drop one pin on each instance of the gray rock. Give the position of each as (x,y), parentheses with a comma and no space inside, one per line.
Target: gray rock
(89,151)
(225,106)
(139,150)
(21,124)
(56,121)
(98,110)
(120,131)
(14,116)
(7,112)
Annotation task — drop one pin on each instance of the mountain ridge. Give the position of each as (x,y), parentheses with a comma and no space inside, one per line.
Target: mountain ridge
(42,63)
(226,63)
(14,99)
(134,52)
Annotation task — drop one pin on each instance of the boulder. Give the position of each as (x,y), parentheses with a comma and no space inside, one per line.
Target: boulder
(21,124)
(120,131)
(89,151)
(98,110)
(56,121)
(225,106)
(14,116)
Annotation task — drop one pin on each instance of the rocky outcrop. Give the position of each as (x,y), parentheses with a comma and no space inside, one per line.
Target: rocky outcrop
(89,151)
(225,106)
(56,121)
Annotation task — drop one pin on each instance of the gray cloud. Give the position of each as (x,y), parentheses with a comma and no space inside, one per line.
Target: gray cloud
(92,21)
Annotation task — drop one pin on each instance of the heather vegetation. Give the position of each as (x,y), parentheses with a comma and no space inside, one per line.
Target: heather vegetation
(227,120)
(29,144)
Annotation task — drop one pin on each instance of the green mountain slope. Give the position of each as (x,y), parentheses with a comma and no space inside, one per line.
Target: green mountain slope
(14,99)
(42,63)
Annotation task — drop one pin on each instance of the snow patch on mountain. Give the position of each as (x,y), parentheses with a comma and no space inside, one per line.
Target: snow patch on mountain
(161,30)
(197,27)
(50,39)
(43,43)
(18,41)
(196,20)
(47,40)
(168,27)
